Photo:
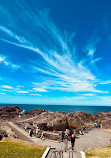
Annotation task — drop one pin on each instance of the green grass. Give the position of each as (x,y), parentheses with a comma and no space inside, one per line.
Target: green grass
(104,152)
(17,150)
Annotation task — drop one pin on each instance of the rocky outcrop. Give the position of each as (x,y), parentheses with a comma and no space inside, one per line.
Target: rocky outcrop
(7,113)
(52,121)
(34,112)
(78,119)
(58,121)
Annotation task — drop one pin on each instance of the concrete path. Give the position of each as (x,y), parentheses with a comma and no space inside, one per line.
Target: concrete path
(46,142)
(94,138)
(18,133)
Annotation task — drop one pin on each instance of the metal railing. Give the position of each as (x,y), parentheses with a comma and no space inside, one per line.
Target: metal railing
(56,154)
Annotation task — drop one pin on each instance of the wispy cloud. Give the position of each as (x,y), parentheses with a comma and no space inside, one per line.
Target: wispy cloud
(105,82)
(2,93)
(91,52)
(23,92)
(7,87)
(88,94)
(5,61)
(63,71)
(40,89)
(96,60)
(36,95)
(91,49)
(1,59)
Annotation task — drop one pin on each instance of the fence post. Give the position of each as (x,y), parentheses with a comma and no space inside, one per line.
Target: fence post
(72,153)
(62,154)
(54,155)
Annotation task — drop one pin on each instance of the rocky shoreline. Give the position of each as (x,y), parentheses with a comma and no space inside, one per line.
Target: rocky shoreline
(54,121)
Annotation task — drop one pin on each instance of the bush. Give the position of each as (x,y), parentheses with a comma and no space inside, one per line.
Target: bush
(3,133)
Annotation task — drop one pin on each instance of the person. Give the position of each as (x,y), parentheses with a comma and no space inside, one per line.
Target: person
(25,128)
(73,141)
(37,131)
(63,136)
(81,132)
(67,134)
(65,143)
(84,128)
(99,125)
(30,133)
(42,136)
(96,125)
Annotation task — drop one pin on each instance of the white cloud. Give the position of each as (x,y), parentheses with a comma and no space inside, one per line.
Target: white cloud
(64,71)
(7,87)
(36,94)
(3,93)
(40,89)
(15,66)
(22,92)
(1,59)
(91,52)
(4,29)
(88,94)
(105,82)
(7,63)
(96,60)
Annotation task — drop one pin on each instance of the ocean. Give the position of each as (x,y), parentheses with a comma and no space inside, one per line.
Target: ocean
(66,108)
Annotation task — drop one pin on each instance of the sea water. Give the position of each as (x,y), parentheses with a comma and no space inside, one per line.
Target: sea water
(66,108)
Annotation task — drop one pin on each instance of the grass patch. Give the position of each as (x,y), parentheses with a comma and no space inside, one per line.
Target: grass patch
(103,152)
(18,150)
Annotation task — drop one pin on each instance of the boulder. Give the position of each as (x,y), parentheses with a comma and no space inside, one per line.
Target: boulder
(79,119)
(34,112)
(7,113)
(52,120)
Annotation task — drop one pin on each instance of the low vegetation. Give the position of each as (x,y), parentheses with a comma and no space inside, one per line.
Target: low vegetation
(18,150)
(3,133)
(103,152)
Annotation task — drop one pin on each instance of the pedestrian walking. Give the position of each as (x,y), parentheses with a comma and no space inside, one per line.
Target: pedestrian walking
(73,138)
(37,131)
(99,125)
(30,133)
(65,144)
(63,136)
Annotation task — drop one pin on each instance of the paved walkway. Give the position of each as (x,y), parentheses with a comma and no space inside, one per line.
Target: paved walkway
(18,133)
(94,138)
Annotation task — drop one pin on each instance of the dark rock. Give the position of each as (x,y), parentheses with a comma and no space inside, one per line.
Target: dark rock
(79,119)
(43,126)
(6,113)
(34,112)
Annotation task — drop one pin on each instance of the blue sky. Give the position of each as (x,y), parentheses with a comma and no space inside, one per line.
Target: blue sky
(55,52)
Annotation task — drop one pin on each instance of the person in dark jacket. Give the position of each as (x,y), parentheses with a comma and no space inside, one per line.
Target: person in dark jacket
(73,137)
(63,136)
(30,133)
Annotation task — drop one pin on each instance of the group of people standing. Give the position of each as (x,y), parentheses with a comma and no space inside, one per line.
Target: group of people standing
(97,125)
(68,135)
(37,131)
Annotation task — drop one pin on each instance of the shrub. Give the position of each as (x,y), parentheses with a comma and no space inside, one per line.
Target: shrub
(3,133)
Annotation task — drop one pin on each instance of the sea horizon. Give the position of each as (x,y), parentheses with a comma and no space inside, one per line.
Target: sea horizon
(92,109)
